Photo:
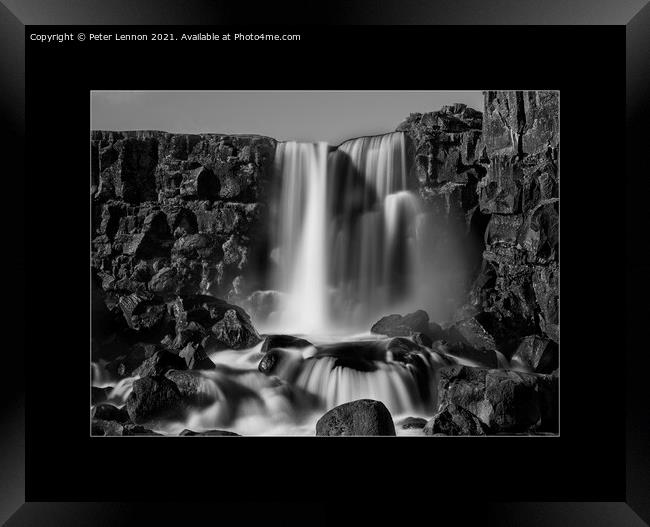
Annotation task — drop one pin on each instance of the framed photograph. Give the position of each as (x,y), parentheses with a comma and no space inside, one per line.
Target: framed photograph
(330,249)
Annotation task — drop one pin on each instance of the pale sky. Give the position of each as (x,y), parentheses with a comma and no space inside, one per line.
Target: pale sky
(303,116)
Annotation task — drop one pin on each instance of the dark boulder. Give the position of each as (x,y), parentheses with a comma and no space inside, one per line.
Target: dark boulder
(101,427)
(472,333)
(196,358)
(402,326)
(537,354)
(235,332)
(165,281)
(153,398)
(159,363)
(190,385)
(422,339)
(283,341)
(459,350)
(363,417)
(131,429)
(506,401)
(99,395)
(142,313)
(269,361)
(453,420)
(109,412)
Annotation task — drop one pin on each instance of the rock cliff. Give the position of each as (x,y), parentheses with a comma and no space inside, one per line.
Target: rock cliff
(497,174)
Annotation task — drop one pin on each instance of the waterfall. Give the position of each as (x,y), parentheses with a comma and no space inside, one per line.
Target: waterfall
(302,234)
(344,233)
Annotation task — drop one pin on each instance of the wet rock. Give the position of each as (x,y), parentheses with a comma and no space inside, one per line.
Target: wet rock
(192,387)
(537,354)
(159,363)
(99,395)
(269,361)
(100,427)
(196,246)
(187,432)
(402,326)
(399,347)
(538,235)
(506,401)
(459,350)
(142,313)
(196,358)
(109,412)
(422,339)
(546,288)
(235,332)
(453,420)
(283,341)
(153,398)
(131,429)
(472,333)
(363,417)
(165,281)
(409,423)
(233,252)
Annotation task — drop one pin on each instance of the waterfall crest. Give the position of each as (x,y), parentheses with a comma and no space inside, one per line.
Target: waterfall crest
(345,232)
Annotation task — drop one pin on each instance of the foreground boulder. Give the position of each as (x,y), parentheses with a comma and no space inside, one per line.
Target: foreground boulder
(402,326)
(109,412)
(99,395)
(455,420)
(506,401)
(153,398)
(537,354)
(196,358)
(101,427)
(283,341)
(270,361)
(235,332)
(364,417)
(192,387)
(159,363)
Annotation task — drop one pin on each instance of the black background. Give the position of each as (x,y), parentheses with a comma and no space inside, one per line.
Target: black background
(585,463)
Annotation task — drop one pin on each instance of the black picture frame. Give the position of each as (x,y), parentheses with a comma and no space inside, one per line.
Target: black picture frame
(633,18)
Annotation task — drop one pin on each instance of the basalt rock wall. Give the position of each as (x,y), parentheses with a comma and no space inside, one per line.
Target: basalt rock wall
(177,224)
(497,175)
(175,213)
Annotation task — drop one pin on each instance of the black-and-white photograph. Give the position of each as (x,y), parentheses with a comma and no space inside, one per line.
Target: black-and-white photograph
(324,263)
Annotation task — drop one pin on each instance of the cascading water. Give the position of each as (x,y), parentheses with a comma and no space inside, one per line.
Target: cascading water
(345,233)
(302,233)
(348,249)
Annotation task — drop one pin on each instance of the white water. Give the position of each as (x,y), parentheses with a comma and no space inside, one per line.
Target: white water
(345,234)
(302,231)
(349,249)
